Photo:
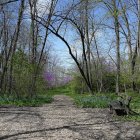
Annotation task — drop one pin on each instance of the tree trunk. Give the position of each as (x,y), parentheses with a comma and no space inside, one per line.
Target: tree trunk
(116,24)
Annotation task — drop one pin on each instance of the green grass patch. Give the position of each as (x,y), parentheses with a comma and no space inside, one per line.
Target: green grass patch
(135,103)
(130,118)
(95,101)
(37,101)
(64,90)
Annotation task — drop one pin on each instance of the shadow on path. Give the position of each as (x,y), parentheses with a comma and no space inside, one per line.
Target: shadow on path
(62,120)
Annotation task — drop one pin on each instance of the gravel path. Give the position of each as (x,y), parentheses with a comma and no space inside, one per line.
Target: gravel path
(62,120)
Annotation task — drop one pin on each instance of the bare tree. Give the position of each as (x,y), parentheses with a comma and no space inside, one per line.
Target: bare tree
(13,46)
(4,2)
(114,11)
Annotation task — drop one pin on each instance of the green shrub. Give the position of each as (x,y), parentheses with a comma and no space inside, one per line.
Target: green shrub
(109,82)
(78,85)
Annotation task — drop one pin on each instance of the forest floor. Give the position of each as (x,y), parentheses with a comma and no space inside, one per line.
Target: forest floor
(62,120)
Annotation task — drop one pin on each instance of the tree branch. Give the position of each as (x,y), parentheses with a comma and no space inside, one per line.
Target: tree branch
(7,2)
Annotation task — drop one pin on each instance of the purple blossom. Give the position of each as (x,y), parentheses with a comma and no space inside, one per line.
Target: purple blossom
(53,80)
(49,78)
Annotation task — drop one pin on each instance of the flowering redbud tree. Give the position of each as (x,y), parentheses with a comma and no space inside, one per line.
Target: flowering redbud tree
(53,80)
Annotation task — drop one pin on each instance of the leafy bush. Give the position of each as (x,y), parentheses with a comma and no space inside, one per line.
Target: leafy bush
(109,82)
(135,103)
(78,85)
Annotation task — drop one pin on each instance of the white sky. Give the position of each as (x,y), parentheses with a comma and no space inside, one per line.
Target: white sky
(43,6)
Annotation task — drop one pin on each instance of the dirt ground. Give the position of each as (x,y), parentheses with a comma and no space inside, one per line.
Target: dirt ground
(62,120)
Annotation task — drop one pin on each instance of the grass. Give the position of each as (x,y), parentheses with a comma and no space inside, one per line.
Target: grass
(96,101)
(37,101)
(129,118)
(64,90)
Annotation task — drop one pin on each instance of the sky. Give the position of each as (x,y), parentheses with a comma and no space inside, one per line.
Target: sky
(60,49)
(57,46)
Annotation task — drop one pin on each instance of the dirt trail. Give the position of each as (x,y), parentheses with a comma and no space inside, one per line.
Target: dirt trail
(62,120)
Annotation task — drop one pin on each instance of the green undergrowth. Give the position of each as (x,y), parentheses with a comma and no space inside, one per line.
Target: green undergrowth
(130,117)
(94,101)
(36,101)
